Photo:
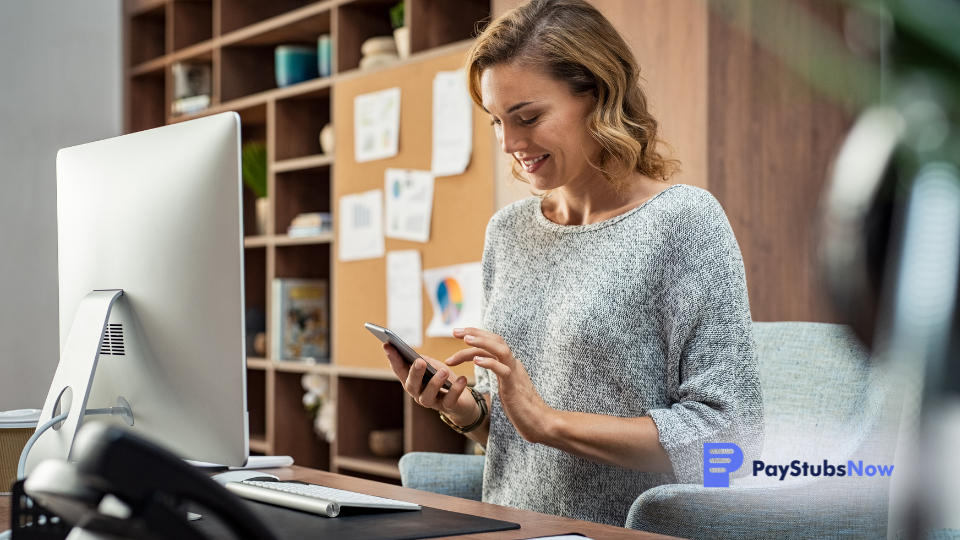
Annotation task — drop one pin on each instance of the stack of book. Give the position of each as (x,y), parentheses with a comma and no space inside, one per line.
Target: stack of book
(192,87)
(310,224)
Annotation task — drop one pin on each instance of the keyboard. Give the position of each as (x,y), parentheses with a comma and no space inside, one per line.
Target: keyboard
(312,498)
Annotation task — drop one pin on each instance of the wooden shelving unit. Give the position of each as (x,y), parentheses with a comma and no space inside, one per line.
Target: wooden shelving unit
(238,37)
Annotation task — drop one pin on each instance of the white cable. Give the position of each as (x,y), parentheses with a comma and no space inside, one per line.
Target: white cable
(22,465)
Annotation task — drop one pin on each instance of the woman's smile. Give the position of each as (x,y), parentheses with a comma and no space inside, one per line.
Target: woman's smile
(532,164)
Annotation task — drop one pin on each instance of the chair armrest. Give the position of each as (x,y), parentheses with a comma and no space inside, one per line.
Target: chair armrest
(795,510)
(457,475)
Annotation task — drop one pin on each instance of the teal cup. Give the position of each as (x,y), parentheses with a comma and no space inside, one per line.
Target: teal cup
(294,64)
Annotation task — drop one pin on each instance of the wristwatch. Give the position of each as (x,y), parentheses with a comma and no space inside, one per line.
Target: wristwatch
(483,414)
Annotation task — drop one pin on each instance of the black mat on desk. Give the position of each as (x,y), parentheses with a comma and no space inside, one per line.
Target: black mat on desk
(360,525)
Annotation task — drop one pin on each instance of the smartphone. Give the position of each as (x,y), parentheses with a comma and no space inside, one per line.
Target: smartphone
(406,352)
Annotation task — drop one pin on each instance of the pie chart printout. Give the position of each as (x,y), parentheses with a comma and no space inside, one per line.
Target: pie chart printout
(456,297)
(450,297)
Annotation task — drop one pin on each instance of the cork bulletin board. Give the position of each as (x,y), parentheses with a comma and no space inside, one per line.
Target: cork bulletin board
(462,205)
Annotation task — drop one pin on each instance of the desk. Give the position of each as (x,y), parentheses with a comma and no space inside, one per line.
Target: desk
(532,524)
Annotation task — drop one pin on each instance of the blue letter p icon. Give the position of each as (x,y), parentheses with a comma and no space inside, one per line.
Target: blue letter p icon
(719,460)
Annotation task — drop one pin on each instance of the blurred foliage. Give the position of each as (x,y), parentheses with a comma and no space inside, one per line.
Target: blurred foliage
(254,163)
(397,15)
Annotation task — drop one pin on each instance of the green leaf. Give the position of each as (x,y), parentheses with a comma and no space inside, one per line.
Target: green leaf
(253,160)
(396,16)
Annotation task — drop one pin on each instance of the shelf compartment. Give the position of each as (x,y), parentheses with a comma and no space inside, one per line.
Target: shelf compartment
(253,128)
(381,467)
(298,192)
(434,23)
(147,101)
(148,35)
(249,216)
(257,405)
(311,261)
(255,278)
(137,7)
(294,435)
(303,25)
(319,86)
(358,21)
(192,22)
(364,405)
(236,14)
(259,446)
(255,295)
(245,71)
(427,433)
(299,121)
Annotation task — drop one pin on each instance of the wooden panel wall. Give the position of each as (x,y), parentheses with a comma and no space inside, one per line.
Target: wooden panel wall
(462,207)
(744,127)
(772,138)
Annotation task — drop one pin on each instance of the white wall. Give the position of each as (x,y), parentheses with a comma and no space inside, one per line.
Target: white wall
(60,85)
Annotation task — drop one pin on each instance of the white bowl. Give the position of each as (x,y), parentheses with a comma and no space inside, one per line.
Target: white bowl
(379,44)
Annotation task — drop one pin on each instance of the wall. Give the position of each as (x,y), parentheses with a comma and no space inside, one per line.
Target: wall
(61,86)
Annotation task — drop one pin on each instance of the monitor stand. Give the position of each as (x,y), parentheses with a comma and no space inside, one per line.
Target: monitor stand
(74,377)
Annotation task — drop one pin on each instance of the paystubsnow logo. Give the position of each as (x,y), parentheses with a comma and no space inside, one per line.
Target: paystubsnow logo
(722,459)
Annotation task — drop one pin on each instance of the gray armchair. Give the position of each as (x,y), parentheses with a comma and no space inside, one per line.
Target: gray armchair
(822,401)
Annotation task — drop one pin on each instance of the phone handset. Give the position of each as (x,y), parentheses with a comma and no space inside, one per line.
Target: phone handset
(125,486)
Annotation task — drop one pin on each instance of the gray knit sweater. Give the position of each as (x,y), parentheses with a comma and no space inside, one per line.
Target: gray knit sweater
(642,314)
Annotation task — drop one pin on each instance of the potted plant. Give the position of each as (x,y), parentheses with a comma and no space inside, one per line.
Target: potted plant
(253,160)
(401,33)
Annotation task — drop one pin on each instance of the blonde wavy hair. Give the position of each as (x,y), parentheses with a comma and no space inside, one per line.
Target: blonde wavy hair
(571,41)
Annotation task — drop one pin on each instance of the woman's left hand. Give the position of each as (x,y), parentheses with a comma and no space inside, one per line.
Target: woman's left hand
(521,402)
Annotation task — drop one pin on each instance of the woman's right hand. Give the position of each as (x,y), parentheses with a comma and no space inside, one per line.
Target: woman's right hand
(458,406)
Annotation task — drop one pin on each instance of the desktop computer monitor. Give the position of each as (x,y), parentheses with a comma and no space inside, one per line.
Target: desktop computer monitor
(157,215)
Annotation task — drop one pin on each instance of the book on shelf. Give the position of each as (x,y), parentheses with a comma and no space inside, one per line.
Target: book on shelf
(300,312)
(310,224)
(189,105)
(192,87)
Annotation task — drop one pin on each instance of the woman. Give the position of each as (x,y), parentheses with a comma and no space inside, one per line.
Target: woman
(616,333)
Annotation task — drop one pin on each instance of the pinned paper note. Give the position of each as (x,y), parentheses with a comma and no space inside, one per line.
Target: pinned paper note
(452,124)
(376,125)
(404,296)
(409,204)
(456,295)
(361,226)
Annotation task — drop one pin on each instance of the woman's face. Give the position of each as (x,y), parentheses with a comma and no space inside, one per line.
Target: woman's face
(541,124)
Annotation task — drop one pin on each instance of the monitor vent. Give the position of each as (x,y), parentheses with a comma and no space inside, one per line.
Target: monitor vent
(112,340)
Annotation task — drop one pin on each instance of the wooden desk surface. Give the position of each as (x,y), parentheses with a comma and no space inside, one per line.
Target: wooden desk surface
(532,524)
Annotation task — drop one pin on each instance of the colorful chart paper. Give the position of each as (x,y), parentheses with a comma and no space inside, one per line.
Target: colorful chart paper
(409,204)
(450,298)
(456,296)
